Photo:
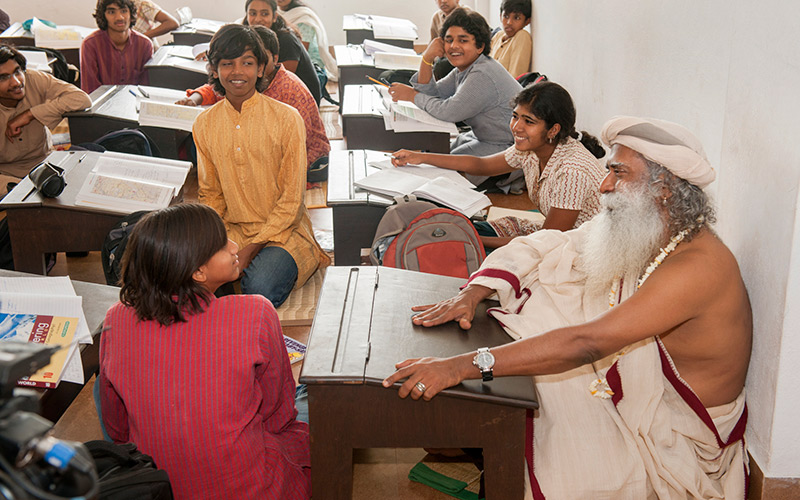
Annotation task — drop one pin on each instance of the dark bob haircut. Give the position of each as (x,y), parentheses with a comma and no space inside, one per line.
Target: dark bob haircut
(551,102)
(516,7)
(474,24)
(230,42)
(102,5)
(7,53)
(165,248)
(269,39)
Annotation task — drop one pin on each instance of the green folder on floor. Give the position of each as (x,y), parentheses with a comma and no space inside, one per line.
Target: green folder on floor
(457,479)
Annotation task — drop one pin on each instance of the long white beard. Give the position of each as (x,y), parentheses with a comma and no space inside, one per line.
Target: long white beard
(623,238)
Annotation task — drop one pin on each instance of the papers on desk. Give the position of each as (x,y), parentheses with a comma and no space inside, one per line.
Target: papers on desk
(190,64)
(425,170)
(46,310)
(389,60)
(405,116)
(124,183)
(394,182)
(63,37)
(155,112)
(372,47)
(36,60)
(391,28)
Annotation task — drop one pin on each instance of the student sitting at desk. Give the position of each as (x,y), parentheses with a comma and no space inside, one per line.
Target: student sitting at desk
(284,86)
(478,91)
(252,169)
(312,32)
(30,101)
(114,54)
(512,46)
(562,172)
(293,55)
(202,384)
(152,20)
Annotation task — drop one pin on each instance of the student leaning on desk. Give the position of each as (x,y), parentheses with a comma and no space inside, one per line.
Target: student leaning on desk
(30,101)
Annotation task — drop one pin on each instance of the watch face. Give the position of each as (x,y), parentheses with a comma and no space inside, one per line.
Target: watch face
(484,360)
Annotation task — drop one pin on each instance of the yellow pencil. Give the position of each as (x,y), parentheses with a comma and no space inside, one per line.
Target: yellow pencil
(376,81)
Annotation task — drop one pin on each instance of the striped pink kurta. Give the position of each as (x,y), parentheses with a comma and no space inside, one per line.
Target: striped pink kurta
(211,400)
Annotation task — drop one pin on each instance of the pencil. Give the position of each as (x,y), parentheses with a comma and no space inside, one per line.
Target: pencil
(376,81)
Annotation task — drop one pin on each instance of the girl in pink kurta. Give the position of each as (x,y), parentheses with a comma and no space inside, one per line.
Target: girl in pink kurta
(201,384)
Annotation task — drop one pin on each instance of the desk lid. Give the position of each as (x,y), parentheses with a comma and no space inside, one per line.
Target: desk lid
(363,327)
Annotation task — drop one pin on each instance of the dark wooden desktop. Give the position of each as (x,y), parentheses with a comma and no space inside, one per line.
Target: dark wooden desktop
(114,108)
(97,299)
(356,213)
(363,126)
(362,327)
(162,71)
(357,30)
(40,225)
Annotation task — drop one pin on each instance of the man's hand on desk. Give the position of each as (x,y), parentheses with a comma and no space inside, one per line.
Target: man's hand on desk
(15,125)
(401,92)
(460,308)
(427,377)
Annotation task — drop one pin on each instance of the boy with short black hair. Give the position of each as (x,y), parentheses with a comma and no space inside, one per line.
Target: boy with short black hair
(114,54)
(30,101)
(252,169)
(512,46)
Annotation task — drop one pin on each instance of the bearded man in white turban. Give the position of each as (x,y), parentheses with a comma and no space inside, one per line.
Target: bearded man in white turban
(636,327)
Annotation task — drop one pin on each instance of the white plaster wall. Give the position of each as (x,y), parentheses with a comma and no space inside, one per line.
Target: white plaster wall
(729,71)
(330,11)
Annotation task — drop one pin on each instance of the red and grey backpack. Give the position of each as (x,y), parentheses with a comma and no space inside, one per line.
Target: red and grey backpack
(420,236)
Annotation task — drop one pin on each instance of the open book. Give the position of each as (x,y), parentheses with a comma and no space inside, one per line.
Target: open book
(393,28)
(157,113)
(62,37)
(372,47)
(124,183)
(405,116)
(394,182)
(389,60)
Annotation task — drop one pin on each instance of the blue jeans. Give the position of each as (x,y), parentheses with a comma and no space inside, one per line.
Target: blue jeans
(272,273)
(301,402)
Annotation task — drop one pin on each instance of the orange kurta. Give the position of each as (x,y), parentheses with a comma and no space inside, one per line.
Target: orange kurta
(252,171)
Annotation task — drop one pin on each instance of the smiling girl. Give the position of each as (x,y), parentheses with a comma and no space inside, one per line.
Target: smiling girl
(562,173)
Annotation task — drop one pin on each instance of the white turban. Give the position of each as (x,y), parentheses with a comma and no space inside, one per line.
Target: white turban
(663,142)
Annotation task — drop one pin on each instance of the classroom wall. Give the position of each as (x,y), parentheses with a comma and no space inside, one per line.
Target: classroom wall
(726,69)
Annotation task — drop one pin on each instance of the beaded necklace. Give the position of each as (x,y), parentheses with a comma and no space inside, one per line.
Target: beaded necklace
(599,387)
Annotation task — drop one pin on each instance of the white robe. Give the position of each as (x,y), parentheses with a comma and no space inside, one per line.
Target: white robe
(307,16)
(651,443)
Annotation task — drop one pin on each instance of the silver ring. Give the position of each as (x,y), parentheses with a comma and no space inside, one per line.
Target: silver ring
(420,386)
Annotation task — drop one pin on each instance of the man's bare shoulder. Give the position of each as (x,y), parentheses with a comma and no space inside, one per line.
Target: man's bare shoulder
(705,258)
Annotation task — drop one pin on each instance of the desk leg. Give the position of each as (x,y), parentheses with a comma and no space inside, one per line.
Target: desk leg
(501,469)
(334,481)
(27,245)
(353,229)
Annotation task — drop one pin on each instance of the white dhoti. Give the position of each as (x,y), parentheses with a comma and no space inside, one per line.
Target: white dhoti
(653,438)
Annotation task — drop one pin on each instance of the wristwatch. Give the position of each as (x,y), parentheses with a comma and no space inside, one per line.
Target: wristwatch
(484,360)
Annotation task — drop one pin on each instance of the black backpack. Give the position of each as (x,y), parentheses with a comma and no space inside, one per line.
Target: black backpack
(125,473)
(129,140)
(114,246)
(59,65)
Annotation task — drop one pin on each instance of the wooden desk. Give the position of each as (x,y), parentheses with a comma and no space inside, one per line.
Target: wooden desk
(361,329)
(169,71)
(363,126)
(357,29)
(17,36)
(97,299)
(114,108)
(42,225)
(356,213)
(354,66)
(196,31)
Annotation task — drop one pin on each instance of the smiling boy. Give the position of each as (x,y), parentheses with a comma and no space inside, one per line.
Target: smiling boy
(252,169)
(30,101)
(114,54)
(512,45)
